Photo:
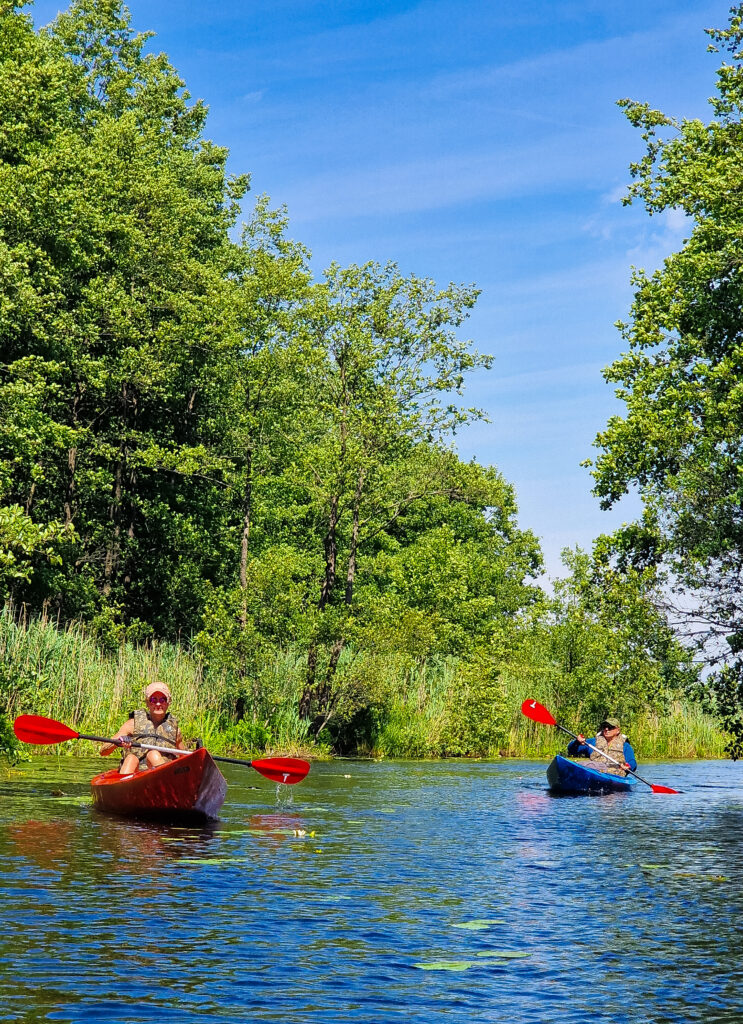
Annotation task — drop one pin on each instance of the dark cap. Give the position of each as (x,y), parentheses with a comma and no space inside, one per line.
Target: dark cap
(613,723)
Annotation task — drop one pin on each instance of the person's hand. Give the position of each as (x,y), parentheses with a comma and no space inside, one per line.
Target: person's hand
(124,741)
(626,767)
(581,738)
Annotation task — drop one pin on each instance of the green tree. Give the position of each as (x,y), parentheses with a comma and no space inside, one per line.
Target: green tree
(601,646)
(680,443)
(383,394)
(118,276)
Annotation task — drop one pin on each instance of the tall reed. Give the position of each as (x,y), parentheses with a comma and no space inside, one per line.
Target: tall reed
(395,706)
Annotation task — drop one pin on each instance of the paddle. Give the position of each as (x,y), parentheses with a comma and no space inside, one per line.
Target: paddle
(39,730)
(539,713)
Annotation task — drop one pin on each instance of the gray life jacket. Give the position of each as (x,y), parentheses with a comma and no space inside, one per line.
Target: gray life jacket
(614,749)
(145,731)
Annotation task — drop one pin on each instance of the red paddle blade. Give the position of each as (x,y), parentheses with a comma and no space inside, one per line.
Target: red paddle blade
(35,729)
(288,770)
(537,712)
(662,789)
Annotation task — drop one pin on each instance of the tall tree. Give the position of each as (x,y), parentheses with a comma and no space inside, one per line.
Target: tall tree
(680,442)
(386,390)
(114,246)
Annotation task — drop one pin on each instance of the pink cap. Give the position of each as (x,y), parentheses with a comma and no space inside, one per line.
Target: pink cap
(157,688)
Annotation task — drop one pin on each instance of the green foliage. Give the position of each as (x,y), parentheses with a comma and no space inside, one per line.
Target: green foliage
(479,711)
(24,545)
(10,747)
(602,646)
(680,442)
(240,478)
(246,737)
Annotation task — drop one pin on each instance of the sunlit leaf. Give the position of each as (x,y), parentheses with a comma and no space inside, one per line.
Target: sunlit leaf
(446,965)
(502,954)
(480,924)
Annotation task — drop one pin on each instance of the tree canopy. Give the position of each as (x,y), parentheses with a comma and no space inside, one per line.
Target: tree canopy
(680,442)
(197,438)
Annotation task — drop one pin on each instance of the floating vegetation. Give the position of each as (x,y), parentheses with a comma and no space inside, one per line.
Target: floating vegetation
(700,874)
(480,924)
(447,965)
(503,954)
(488,959)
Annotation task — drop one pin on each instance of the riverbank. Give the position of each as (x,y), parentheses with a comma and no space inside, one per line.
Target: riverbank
(401,710)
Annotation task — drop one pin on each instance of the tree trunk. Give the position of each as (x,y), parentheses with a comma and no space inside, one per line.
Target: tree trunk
(326,594)
(69,503)
(114,543)
(247,513)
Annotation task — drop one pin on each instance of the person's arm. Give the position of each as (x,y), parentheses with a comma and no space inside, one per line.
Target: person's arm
(180,743)
(579,747)
(124,733)
(629,756)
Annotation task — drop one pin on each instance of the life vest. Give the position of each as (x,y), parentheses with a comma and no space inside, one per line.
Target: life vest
(145,731)
(615,749)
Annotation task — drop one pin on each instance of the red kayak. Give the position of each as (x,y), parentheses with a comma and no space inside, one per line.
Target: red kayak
(191,787)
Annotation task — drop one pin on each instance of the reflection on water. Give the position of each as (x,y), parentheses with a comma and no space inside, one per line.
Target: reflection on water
(375,893)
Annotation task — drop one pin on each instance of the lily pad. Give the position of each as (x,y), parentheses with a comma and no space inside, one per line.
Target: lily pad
(446,965)
(480,924)
(652,867)
(503,954)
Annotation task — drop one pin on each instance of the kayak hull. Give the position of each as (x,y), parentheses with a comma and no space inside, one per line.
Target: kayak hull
(189,788)
(566,776)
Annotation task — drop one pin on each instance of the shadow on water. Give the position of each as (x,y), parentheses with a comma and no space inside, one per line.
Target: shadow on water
(372,893)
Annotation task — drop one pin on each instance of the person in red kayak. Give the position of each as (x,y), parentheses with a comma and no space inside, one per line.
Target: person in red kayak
(610,740)
(153,726)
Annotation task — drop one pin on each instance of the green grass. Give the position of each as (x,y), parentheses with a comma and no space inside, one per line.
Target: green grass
(393,707)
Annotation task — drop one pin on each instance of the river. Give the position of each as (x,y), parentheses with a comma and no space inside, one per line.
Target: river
(411,892)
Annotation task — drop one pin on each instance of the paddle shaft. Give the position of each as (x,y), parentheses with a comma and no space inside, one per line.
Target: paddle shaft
(601,752)
(172,750)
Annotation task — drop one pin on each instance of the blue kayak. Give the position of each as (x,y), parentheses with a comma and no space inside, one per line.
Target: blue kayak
(566,776)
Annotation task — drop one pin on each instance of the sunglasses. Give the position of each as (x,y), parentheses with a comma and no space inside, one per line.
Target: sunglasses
(157,700)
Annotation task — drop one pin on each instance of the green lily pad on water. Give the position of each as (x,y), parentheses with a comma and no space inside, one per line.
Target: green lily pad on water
(700,874)
(652,867)
(480,924)
(446,965)
(502,954)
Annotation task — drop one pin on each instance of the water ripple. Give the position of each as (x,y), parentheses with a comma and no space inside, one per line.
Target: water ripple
(410,892)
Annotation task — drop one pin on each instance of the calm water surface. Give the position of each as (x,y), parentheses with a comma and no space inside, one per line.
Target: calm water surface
(391,906)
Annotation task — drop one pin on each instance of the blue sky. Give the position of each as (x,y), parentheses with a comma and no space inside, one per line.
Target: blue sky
(476,142)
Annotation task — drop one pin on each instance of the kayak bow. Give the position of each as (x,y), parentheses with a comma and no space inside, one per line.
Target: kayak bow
(190,788)
(566,776)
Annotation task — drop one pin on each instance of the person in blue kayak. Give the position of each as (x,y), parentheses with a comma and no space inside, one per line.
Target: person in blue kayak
(608,740)
(154,726)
